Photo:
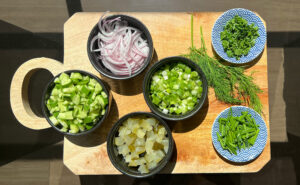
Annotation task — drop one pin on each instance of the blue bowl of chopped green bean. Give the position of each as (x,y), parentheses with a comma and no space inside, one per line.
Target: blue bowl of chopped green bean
(239,36)
(239,134)
(175,88)
(75,102)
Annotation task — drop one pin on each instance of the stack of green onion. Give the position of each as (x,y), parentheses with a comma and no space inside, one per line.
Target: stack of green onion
(175,89)
(236,133)
(76,102)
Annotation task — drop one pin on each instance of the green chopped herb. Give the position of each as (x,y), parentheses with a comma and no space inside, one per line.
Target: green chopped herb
(236,133)
(76,102)
(175,89)
(238,37)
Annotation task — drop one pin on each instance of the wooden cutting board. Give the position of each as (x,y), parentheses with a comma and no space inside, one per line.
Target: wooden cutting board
(171,36)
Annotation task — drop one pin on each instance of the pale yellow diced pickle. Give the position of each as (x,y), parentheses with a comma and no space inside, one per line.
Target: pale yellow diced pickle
(133,163)
(129,139)
(151,165)
(146,125)
(139,142)
(162,131)
(165,142)
(142,142)
(140,149)
(151,121)
(123,149)
(119,141)
(143,169)
(140,133)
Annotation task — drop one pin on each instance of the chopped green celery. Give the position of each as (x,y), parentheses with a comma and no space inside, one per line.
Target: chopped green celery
(57,81)
(88,119)
(53,120)
(55,92)
(69,90)
(98,88)
(74,102)
(100,100)
(85,80)
(63,123)
(82,114)
(84,91)
(73,128)
(103,94)
(92,83)
(76,76)
(64,129)
(66,115)
(65,79)
(81,127)
(62,107)
(76,99)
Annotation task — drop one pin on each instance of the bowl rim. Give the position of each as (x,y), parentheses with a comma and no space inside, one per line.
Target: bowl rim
(231,60)
(159,64)
(147,60)
(228,158)
(110,144)
(45,109)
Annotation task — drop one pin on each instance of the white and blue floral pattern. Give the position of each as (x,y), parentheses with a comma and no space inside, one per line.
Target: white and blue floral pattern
(244,155)
(251,18)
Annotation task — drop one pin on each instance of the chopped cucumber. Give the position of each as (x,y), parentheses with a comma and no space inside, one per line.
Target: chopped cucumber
(76,102)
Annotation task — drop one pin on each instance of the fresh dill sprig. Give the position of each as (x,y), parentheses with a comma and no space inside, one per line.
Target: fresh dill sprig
(230,84)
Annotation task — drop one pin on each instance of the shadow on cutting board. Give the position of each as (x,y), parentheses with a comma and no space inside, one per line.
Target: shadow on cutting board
(190,123)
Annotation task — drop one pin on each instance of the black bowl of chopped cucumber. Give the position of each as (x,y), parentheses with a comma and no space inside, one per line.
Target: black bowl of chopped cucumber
(75,102)
(175,88)
(140,144)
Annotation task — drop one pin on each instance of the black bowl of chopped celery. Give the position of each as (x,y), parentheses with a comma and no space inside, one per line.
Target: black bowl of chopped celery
(175,88)
(75,102)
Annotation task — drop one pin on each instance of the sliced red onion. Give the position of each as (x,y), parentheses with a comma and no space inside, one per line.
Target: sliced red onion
(122,49)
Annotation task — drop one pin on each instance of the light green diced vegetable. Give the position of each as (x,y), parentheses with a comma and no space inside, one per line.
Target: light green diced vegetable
(65,115)
(98,88)
(74,129)
(64,79)
(73,102)
(53,120)
(76,76)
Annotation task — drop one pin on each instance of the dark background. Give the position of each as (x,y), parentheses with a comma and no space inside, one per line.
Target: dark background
(34,28)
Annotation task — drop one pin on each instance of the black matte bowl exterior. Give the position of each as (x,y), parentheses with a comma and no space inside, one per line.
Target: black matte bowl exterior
(46,95)
(119,162)
(158,65)
(96,62)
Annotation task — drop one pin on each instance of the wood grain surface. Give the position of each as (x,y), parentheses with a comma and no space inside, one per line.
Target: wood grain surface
(171,36)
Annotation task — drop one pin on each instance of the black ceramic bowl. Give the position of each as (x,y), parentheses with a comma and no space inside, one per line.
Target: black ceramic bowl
(119,162)
(96,62)
(147,82)
(47,92)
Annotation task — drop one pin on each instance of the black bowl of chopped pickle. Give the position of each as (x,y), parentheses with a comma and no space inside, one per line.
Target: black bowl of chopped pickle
(175,88)
(75,102)
(140,144)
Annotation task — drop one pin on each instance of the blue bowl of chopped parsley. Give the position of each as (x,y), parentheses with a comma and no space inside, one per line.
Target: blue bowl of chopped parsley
(239,36)
(256,139)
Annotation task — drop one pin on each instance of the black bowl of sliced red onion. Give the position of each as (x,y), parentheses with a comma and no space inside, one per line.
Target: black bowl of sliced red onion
(120,47)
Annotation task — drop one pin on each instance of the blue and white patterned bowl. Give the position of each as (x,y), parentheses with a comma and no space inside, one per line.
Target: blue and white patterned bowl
(244,155)
(251,18)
